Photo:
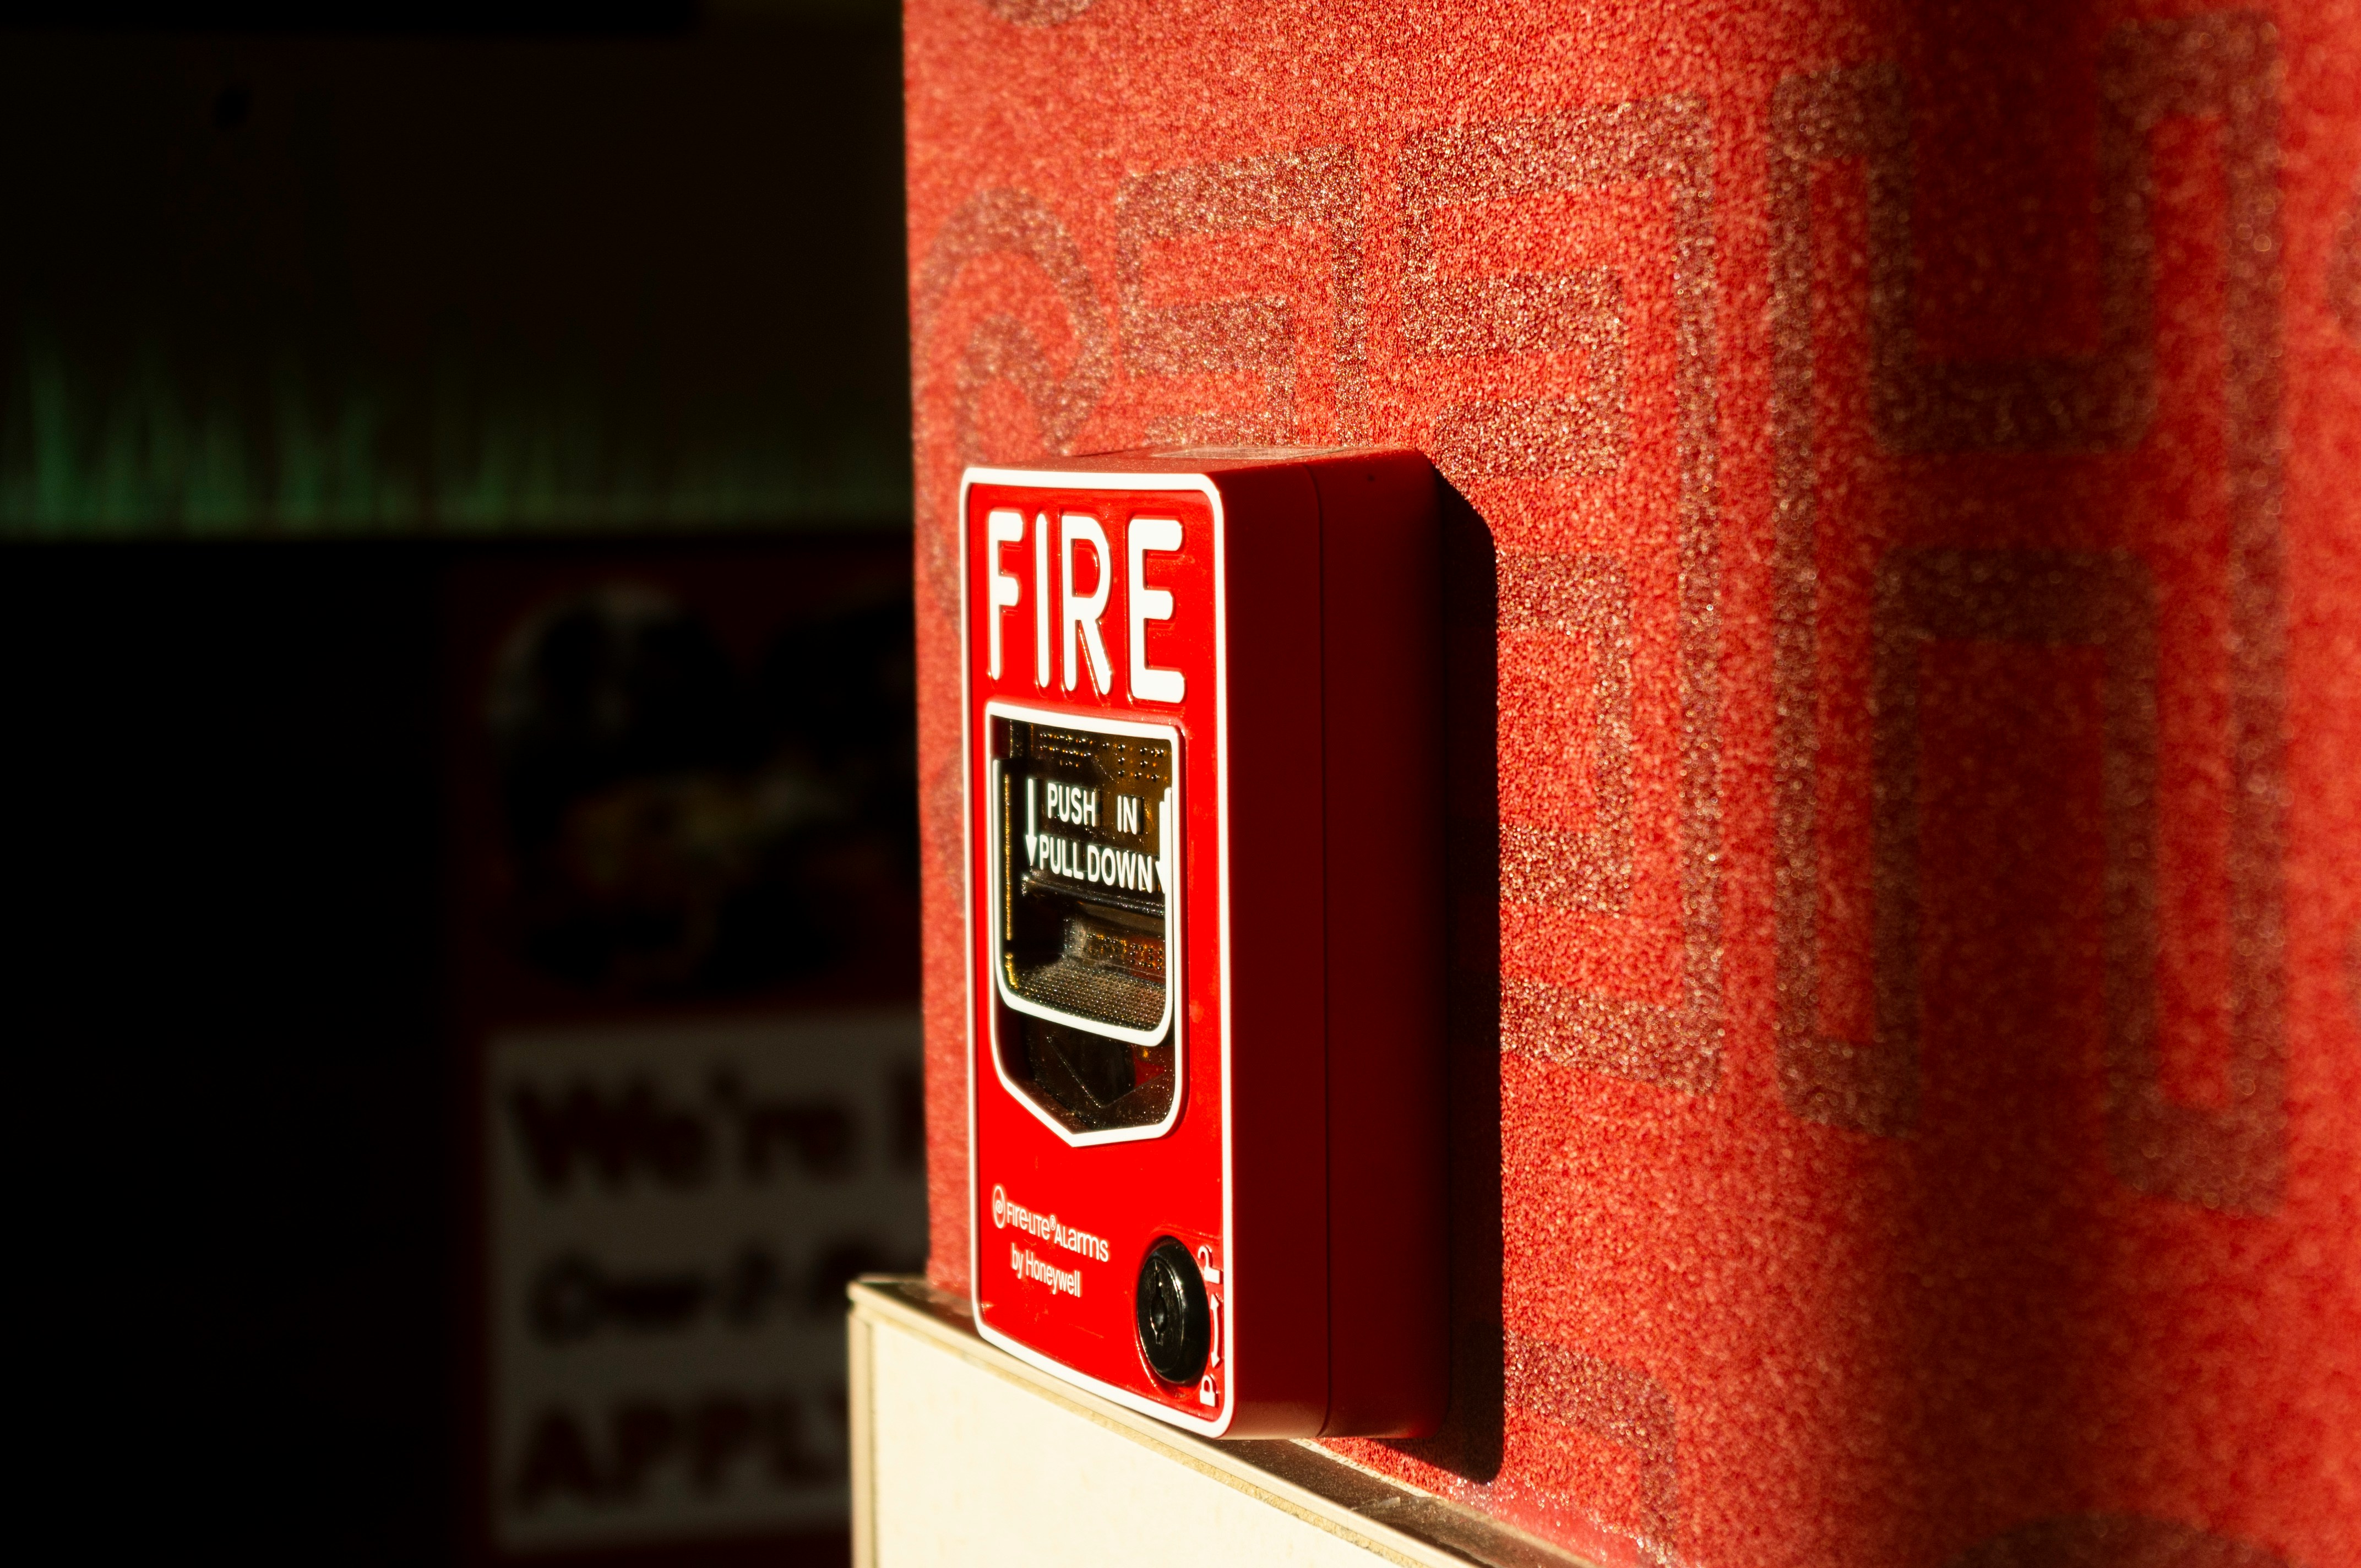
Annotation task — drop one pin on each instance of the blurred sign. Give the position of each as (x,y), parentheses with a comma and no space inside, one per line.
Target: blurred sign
(684,937)
(674,1210)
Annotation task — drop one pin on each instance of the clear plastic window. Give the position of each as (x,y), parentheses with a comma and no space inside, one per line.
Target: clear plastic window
(1083,898)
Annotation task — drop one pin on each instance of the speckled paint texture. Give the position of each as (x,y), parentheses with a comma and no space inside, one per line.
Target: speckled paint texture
(1905,743)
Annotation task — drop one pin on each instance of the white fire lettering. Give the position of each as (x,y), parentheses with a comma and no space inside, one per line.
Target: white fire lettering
(1078,634)
(1082,611)
(1159,535)
(1003,527)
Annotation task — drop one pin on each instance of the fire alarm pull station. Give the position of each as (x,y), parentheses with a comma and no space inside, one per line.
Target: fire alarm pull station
(1204,796)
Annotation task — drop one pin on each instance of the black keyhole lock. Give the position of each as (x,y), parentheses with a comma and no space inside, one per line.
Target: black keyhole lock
(1174,1325)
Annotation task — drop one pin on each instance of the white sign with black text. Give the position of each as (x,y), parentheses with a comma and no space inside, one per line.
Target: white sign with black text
(673,1212)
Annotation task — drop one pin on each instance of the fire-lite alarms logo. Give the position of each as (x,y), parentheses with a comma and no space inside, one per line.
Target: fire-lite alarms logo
(1046,1226)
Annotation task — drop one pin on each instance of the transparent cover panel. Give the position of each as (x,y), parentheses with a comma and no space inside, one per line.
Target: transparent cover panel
(1083,862)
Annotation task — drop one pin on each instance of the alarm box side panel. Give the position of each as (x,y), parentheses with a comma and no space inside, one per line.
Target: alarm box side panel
(1276,952)
(1382,724)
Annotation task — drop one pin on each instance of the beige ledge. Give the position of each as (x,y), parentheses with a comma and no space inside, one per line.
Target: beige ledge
(963,1454)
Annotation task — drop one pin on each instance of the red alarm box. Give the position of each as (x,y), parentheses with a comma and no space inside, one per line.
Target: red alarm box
(1204,837)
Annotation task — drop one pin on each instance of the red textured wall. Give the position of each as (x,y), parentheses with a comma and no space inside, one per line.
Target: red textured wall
(1906,683)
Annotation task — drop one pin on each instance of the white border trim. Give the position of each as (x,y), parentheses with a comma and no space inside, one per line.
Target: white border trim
(1175,977)
(1039,479)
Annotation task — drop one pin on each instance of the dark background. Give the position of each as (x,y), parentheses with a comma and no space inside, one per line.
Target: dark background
(295,320)
(646,275)
(231,1124)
